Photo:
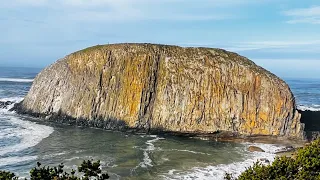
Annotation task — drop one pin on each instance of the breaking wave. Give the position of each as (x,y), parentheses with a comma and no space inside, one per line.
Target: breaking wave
(16,80)
(218,171)
(314,107)
(17,135)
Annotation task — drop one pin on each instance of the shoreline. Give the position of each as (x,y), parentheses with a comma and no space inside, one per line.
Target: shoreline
(113,125)
(222,136)
(264,157)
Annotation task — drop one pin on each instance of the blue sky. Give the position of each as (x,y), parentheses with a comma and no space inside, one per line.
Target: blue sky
(282,36)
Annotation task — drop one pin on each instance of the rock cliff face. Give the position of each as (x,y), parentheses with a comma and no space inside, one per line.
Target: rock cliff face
(166,88)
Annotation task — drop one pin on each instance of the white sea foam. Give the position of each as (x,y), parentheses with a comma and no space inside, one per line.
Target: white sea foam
(15,160)
(147,161)
(50,156)
(12,99)
(16,80)
(74,158)
(6,110)
(189,151)
(217,172)
(79,151)
(150,147)
(30,134)
(314,107)
(7,133)
(82,157)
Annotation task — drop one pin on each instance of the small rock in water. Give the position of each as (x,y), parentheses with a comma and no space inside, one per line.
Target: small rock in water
(5,104)
(286,149)
(255,149)
(264,160)
(315,135)
(289,147)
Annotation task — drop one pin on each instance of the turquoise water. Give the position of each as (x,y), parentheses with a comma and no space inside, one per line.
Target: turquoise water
(24,141)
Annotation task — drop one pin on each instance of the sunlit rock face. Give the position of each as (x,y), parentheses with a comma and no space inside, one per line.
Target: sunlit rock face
(165,88)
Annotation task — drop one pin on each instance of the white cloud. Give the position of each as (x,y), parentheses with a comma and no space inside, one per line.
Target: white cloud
(257,45)
(272,46)
(306,12)
(304,15)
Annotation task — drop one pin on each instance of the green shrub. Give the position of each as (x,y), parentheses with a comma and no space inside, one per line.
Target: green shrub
(88,168)
(305,166)
(4,175)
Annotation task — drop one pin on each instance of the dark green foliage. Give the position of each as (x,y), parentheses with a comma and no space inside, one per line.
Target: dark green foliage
(4,175)
(39,173)
(305,166)
(228,176)
(281,168)
(89,168)
(308,160)
(92,170)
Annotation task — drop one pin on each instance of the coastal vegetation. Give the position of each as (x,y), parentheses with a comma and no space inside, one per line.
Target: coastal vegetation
(87,170)
(304,164)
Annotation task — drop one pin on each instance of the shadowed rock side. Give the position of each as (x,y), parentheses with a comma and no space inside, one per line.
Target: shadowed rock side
(311,119)
(166,88)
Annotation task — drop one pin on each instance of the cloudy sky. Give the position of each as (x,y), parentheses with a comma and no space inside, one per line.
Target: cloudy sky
(281,35)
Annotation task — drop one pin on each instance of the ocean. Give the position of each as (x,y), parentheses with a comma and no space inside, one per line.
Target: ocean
(25,140)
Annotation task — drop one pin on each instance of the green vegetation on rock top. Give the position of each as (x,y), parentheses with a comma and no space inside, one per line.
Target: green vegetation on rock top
(173,49)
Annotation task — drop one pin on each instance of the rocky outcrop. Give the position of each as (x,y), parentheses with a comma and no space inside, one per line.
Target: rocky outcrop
(255,149)
(165,88)
(5,104)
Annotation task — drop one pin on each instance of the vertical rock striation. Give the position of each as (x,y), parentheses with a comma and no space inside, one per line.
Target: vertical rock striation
(167,88)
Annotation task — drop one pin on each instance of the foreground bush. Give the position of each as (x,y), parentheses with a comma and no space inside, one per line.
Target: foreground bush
(88,168)
(4,175)
(305,166)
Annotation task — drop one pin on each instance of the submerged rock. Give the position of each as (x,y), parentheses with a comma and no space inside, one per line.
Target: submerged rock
(264,160)
(164,88)
(286,150)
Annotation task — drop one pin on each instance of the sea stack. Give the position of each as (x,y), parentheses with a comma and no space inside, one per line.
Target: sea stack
(150,87)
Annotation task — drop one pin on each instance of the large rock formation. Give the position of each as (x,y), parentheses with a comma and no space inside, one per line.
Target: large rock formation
(167,88)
